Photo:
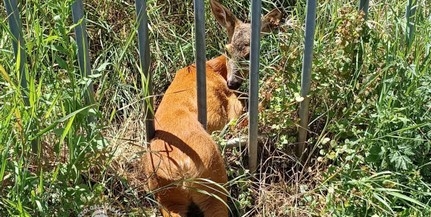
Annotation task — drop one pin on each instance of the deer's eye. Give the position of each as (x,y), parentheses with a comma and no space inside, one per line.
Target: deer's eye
(246,57)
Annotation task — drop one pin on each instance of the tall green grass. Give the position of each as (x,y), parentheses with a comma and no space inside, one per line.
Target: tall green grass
(378,123)
(49,182)
(370,109)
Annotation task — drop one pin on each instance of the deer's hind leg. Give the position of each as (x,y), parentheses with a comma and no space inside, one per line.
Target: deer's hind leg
(210,205)
(176,202)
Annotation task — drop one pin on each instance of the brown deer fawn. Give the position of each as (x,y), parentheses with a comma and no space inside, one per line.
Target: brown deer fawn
(183,164)
(239,34)
(182,155)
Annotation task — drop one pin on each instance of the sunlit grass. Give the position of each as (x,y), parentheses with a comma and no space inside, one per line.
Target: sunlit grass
(370,110)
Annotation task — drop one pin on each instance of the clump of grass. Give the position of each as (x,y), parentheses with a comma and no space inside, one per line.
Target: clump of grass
(52,181)
(376,125)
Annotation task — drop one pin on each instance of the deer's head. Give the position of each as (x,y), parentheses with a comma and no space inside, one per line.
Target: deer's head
(239,35)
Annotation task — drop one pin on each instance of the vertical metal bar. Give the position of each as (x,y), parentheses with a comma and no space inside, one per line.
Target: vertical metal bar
(256,7)
(200,61)
(364,5)
(82,41)
(144,57)
(410,24)
(18,44)
(306,75)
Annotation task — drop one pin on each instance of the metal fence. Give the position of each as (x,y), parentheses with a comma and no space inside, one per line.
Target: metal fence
(144,52)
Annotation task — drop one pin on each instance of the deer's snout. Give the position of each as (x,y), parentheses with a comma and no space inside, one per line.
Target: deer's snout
(234,83)
(234,75)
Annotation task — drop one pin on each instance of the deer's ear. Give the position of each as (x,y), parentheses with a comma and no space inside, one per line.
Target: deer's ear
(224,17)
(271,20)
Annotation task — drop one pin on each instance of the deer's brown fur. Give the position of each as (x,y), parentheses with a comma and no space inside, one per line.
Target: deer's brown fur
(183,155)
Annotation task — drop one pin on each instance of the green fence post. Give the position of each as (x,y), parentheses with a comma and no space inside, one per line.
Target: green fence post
(410,23)
(256,8)
(144,57)
(82,41)
(18,44)
(306,76)
(200,61)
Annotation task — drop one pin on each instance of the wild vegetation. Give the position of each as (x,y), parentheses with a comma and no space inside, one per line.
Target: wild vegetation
(370,117)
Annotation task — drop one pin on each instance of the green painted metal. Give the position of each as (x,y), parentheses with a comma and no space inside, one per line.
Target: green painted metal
(256,8)
(144,57)
(83,50)
(200,61)
(306,76)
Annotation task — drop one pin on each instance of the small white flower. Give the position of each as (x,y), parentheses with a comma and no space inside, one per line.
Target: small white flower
(331,190)
(298,98)
(325,140)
